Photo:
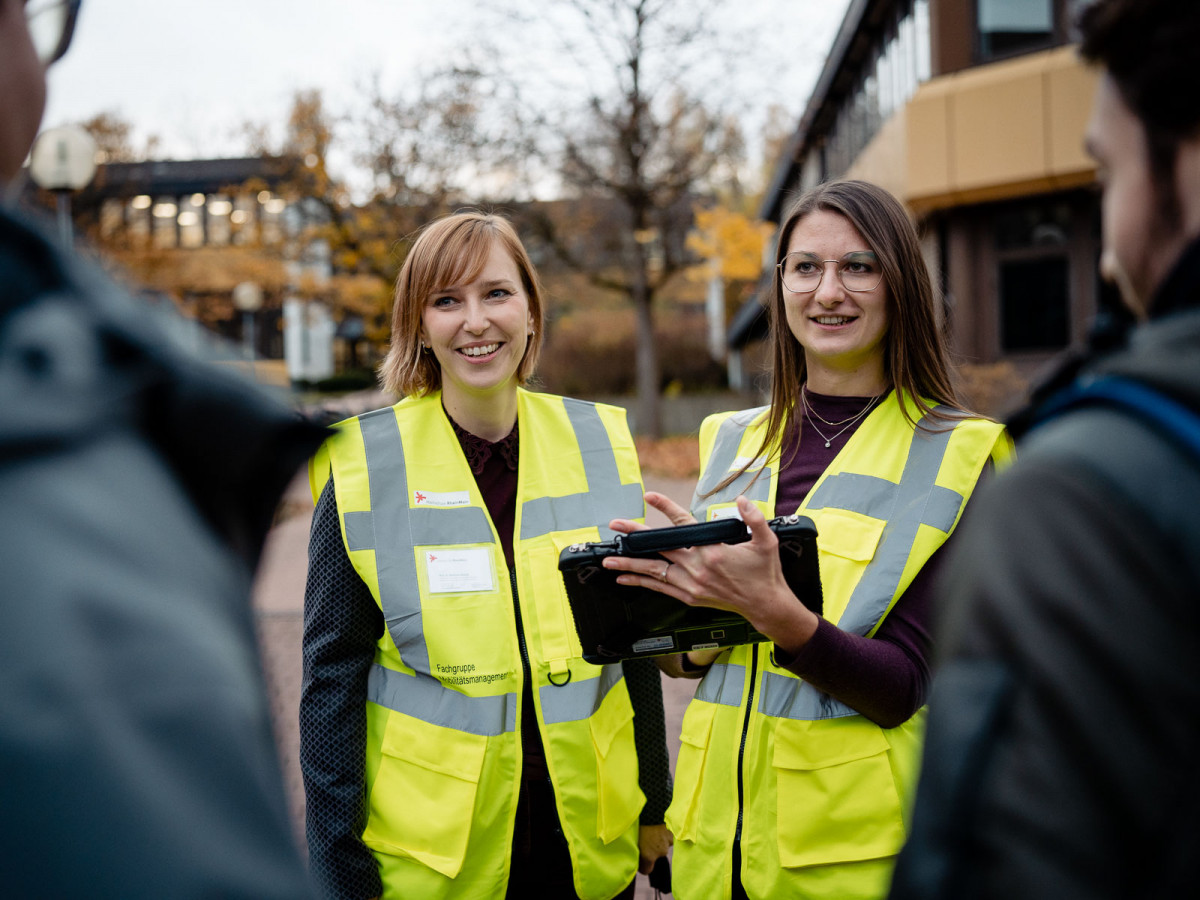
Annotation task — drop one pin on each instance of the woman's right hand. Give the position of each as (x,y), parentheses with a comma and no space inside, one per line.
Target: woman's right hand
(745,578)
(665,505)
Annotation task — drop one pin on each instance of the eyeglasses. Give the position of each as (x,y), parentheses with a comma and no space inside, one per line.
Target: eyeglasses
(51,24)
(801,271)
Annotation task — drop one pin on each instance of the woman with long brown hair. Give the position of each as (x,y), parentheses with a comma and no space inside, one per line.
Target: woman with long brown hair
(798,755)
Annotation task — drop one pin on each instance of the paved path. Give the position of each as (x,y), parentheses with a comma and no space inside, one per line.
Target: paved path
(279,604)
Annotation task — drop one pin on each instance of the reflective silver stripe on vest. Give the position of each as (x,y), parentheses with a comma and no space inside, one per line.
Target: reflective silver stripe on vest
(917,500)
(392,529)
(785,697)
(724,453)
(723,684)
(424,697)
(578,700)
(606,497)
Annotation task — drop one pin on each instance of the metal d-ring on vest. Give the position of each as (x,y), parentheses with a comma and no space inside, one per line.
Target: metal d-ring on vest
(917,500)
(391,528)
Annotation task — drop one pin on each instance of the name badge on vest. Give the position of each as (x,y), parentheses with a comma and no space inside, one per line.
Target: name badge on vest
(443,499)
(458,570)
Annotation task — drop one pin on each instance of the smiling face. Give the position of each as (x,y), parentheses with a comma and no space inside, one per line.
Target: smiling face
(478,330)
(841,331)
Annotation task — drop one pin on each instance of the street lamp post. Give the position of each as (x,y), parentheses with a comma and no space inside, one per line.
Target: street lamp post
(248,298)
(63,160)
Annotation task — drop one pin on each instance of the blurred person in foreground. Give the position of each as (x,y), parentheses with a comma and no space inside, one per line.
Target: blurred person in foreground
(136,488)
(1065,717)
(453,740)
(799,756)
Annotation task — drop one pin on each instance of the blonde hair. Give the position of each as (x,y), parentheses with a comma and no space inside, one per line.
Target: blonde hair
(451,250)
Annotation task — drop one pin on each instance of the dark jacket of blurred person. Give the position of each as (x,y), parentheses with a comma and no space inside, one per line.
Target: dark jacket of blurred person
(136,488)
(1064,719)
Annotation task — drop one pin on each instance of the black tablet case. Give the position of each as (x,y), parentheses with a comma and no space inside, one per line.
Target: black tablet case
(616,622)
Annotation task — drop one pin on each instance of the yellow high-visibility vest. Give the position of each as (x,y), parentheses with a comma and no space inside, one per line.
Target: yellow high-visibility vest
(444,696)
(824,797)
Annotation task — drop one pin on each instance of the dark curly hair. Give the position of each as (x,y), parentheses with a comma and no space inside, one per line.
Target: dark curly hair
(1147,48)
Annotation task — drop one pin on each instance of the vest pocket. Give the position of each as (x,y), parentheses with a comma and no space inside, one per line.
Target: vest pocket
(848,535)
(837,798)
(424,793)
(682,816)
(619,800)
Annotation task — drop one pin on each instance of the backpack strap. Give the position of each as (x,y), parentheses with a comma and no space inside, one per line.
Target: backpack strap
(1154,408)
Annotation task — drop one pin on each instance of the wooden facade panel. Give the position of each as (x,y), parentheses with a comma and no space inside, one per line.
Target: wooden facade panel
(1070,89)
(885,160)
(999,129)
(929,149)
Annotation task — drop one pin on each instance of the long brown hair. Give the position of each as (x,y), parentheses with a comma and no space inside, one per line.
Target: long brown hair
(914,355)
(451,250)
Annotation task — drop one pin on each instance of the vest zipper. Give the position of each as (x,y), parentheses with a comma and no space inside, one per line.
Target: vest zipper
(525,666)
(737,834)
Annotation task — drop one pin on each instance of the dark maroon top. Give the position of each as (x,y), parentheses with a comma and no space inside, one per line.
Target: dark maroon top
(885,677)
(495,468)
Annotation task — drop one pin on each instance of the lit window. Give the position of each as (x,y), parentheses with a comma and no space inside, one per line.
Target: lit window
(219,225)
(164,227)
(191,229)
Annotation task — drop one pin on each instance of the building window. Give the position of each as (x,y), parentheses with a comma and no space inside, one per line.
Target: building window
(1033,304)
(1009,27)
(243,221)
(138,224)
(162,217)
(191,221)
(888,76)
(1033,258)
(219,210)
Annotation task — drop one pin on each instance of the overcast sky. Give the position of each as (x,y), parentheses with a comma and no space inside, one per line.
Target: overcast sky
(193,73)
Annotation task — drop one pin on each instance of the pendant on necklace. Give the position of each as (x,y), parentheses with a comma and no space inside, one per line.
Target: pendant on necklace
(827,443)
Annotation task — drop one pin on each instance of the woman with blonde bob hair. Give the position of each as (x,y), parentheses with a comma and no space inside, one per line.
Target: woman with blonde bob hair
(799,753)
(454,743)
(452,250)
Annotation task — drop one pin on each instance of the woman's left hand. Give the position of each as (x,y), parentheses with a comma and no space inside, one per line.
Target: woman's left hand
(653,843)
(744,578)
